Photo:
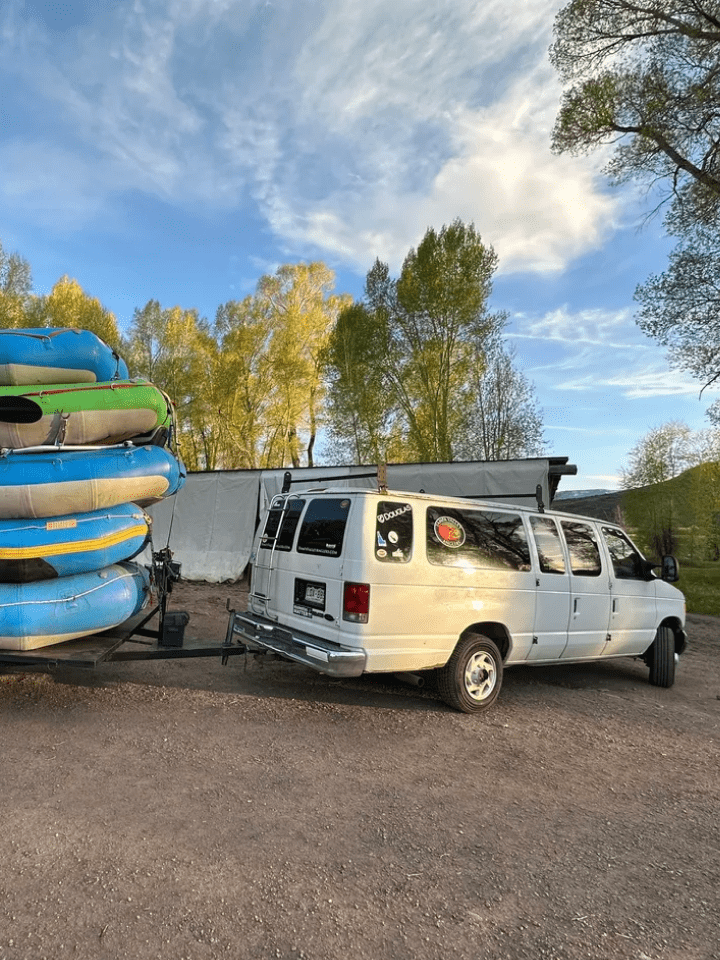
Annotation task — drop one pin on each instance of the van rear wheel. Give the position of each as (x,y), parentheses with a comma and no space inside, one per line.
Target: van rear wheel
(661,658)
(471,679)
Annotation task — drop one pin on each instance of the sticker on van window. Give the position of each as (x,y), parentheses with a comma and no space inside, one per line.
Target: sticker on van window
(449,532)
(393,532)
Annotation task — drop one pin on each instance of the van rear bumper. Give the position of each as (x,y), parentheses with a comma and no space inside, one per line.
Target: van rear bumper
(259,633)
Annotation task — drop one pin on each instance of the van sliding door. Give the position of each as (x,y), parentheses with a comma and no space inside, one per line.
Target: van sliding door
(589,592)
(552,607)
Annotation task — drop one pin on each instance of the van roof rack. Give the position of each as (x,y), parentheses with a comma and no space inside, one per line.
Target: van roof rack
(381,474)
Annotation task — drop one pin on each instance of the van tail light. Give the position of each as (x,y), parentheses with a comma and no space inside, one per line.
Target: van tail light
(356,602)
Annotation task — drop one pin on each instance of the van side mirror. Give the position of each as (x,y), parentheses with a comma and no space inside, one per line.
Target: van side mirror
(670,569)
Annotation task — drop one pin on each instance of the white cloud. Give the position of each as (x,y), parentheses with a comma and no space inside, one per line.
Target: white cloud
(353,127)
(635,384)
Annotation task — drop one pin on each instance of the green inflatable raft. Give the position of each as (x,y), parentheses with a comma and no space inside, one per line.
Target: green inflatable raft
(79,414)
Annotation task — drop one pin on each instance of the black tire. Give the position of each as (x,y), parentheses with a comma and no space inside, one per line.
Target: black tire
(661,658)
(471,679)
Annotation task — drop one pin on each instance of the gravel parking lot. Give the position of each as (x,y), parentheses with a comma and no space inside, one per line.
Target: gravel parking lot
(186,809)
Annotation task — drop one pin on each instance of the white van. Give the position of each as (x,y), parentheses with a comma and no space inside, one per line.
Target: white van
(351,581)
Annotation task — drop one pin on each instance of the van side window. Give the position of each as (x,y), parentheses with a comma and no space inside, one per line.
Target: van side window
(626,560)
(476,538)
(549,547)
(583,549)
(393,532)
(323,527)
(293,509)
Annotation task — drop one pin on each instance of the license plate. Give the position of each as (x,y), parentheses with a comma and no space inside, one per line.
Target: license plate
(314,594)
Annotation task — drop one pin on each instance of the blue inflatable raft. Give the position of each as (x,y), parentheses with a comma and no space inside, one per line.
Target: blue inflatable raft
(48,355)
(36,615)
(51,482)
(32,550)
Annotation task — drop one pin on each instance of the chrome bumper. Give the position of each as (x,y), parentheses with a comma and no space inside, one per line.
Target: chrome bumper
(259,633)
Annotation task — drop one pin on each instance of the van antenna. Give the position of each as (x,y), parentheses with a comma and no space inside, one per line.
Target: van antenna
(382,477)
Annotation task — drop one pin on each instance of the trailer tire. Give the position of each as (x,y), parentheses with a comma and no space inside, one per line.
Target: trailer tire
(661,658)
(471,679)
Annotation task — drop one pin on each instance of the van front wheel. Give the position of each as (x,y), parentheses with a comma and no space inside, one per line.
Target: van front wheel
(470,681)
(661,658)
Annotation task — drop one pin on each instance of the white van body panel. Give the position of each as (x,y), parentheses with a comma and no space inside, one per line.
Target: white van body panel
(546,587)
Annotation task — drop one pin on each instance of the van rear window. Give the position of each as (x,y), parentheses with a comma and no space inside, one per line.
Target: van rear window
(393,531)
(287,520)
(477,538)
(323,527)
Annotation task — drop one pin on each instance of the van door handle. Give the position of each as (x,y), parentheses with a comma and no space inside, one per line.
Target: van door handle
(575,605)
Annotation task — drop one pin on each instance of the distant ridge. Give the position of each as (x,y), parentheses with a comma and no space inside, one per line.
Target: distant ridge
(572,494)
(602,506)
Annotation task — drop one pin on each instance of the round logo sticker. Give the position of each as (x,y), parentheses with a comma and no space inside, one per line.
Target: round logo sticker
(449,532)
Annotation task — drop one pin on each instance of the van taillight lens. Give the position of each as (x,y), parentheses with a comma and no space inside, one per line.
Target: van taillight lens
(356,602)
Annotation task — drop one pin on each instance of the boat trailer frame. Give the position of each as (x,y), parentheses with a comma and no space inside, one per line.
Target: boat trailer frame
(133,639)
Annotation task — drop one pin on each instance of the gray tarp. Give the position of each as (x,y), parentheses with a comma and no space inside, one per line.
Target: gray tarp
(209,525)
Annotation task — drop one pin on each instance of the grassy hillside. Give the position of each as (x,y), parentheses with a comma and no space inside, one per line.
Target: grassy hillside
(682,516)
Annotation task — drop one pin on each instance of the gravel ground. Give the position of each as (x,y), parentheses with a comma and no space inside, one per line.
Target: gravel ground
(186,809)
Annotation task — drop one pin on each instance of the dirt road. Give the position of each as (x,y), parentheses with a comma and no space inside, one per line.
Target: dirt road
(190,810)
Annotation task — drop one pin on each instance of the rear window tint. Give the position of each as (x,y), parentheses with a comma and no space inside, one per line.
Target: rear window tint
(289,516)
(476,538)
(323,527)
(583,549)
(393,532)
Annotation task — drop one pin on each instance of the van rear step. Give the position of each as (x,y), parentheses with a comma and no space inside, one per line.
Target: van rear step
(254,633)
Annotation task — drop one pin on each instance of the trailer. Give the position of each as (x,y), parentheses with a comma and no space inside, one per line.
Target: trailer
(157,634)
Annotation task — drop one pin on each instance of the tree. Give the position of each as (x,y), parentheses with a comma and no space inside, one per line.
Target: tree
(663,453)
(359,409)
(300,308)
(645,76)
(67,305)
(15,289)
(173,349)
(243,388)
(681,308)
(505,422)
(429,328)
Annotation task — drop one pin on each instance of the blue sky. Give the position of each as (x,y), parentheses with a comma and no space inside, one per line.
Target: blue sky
(178,149)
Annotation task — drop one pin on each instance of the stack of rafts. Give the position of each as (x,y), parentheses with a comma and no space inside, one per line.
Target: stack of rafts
(83,449)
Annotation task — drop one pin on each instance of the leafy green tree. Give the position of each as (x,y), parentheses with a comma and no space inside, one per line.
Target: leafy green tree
(300,308)
(431,324)
(663,453)
(15,289)
(173,348)
(67,305)
(644,76)
(242,386)
(680,308)
(360,412)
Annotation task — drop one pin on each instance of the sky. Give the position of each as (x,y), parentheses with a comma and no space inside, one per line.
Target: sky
(177,150)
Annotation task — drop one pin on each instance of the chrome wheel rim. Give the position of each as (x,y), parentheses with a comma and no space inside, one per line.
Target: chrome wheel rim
(480,676)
